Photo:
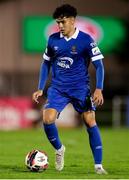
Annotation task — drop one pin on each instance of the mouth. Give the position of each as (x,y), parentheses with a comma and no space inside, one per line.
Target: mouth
(62,31)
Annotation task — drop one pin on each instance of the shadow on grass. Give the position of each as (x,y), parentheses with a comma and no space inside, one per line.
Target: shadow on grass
(23,169)
(13,168)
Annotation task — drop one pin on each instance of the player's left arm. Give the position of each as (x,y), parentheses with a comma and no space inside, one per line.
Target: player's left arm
(96,58)
(98,96)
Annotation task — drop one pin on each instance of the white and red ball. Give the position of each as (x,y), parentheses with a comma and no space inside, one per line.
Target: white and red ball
(36,160)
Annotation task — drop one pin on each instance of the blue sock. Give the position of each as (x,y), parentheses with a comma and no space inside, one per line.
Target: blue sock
(95,143)
(52,135)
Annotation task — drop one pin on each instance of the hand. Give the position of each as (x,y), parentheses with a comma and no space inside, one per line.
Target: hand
(98,97)
(36,95)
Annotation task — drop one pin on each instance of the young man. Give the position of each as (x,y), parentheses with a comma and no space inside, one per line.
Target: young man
(69,53)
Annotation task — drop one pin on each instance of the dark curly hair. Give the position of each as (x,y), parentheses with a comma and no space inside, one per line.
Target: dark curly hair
(65,10)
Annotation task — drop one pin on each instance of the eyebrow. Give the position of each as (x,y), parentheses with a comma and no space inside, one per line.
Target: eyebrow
(58,21)
(61,19)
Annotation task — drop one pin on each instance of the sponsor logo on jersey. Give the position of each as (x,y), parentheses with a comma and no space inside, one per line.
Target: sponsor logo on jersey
(65,62)
(95,51)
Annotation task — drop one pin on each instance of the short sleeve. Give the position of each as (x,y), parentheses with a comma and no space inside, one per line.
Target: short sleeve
(48,54)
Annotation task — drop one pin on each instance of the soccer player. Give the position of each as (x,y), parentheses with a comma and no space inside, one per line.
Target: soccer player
(69,53)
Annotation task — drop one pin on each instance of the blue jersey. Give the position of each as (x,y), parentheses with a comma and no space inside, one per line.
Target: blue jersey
(70,58)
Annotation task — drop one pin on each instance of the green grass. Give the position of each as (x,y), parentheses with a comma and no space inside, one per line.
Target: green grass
(14,145)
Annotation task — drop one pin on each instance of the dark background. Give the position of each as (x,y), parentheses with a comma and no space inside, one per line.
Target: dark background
(19,70)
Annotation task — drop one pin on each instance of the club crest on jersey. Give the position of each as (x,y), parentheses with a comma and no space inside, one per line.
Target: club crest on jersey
(65,62)
(73,50)
(55,48)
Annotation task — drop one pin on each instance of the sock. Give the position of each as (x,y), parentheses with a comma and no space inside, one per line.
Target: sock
(98,166)
(95,143)
(52,135)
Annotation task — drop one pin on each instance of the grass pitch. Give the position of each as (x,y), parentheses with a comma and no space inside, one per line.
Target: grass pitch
(14,145)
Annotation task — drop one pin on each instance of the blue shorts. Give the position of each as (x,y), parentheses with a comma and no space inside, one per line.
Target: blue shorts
(80,99)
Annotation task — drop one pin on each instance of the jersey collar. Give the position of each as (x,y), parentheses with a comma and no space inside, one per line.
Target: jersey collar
(74,36)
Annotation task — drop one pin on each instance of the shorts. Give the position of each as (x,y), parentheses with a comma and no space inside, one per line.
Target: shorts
(80,99)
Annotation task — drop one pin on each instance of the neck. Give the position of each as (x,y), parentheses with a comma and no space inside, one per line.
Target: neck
(71,33)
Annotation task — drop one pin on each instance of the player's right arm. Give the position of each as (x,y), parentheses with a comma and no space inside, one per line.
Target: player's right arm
(44,71)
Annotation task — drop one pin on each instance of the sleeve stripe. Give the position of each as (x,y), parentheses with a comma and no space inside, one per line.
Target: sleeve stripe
(97,57)
(46,57)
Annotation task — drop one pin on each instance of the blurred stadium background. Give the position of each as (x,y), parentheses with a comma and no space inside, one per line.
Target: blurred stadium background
(24,28)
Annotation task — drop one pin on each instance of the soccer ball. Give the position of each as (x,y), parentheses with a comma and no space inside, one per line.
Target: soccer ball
(36,160)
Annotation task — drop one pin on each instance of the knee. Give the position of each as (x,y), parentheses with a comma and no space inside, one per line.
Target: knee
(49,117)
(89,118)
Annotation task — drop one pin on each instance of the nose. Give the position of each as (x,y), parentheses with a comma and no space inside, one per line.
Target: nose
(60,25)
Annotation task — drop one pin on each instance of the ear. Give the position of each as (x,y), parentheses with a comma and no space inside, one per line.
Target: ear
(72,20)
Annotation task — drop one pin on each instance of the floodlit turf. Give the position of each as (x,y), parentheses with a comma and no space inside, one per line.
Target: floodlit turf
(14,145)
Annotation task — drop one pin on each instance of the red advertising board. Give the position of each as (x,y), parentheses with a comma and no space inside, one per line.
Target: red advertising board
(14,112)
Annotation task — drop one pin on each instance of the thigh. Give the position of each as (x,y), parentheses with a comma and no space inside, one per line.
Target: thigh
(56,100)
(84,105)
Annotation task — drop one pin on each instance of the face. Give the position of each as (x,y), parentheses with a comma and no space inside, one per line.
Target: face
(66,25)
